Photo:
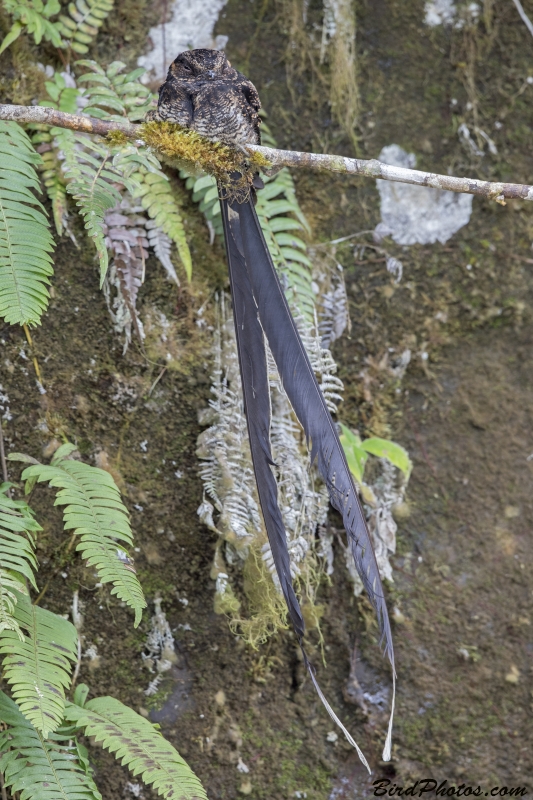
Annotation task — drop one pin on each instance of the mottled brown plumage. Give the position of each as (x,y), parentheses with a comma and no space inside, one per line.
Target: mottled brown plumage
(203,92)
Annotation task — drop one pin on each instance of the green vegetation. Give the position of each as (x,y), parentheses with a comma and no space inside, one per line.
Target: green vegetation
(75,30)
(357,452)
(39,647)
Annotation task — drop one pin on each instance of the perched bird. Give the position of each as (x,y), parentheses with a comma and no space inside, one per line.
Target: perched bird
(203,92)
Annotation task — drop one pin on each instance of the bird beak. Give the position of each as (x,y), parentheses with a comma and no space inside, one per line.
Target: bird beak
(211,73)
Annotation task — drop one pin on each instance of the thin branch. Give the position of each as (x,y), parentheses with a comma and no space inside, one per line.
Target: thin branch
(386,172)
(76,122)
(288,158)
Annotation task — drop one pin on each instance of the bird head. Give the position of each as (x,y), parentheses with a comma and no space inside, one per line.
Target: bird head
(200,64)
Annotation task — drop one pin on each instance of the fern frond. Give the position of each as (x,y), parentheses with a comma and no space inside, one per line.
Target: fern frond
(288,250)
(111,90)
(94,169)
(205,193)
(32,16)
(17,556)
(84,19)
(37,768)
(96,513)
(157,198)
(38,668)
(93,172)
(127,244)
(63,96)
(161,244)
(139,746)
(25,240)
(333,311)
(91,178)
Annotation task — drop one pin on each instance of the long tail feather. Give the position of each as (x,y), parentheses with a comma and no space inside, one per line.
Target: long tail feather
(260,309)
(256,392)
(303,391)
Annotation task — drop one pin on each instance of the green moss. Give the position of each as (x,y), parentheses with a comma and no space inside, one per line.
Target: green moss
(227,603)
(183,147)
(266,608)
(117,138)
(294,773)
(153,583)
(156,701)
(296,777)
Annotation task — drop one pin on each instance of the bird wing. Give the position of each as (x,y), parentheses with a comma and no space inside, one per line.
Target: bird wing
(175,103)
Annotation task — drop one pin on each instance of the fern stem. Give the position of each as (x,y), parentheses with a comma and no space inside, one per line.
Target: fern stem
(28,335)
(2,787)
(78,665)
(51,766)
(56,571)
(98,173)
(3,456)
(33,358)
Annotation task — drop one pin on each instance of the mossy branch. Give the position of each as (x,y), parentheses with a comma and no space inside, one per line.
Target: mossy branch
(218,159)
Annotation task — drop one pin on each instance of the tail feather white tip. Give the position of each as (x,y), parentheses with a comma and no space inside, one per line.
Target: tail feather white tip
(388,741)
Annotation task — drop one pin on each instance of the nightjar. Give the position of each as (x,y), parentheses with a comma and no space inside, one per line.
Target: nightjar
(205,93)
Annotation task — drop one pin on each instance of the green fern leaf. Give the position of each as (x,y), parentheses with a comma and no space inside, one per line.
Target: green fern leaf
(64,98)
(84,19)
(290,240)
(33,17)
(38,668)
(205,193)
(291,254)
(96,513)
(157,198)
(17,557)
(93,170)
(112,89)
(139,746)
(91,178)
(37,768)
(25,240)
(279,224)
